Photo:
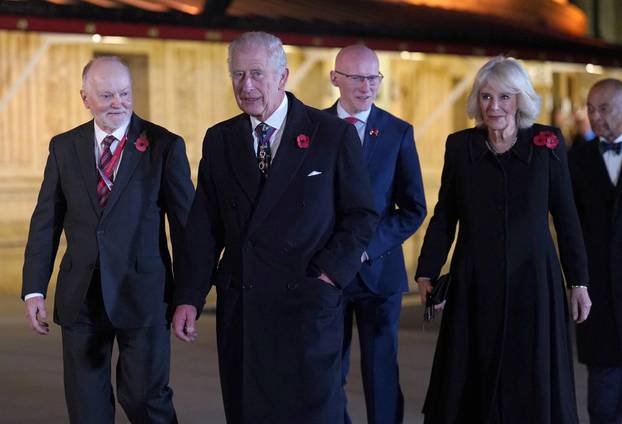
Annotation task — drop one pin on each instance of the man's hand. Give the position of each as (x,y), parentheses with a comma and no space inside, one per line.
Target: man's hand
(36,315)
(183,323)
(580,304)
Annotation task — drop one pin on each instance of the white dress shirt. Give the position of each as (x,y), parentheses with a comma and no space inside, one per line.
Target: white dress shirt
(118,134)
(277,121)
(100,134)
(361,116)
(613,161)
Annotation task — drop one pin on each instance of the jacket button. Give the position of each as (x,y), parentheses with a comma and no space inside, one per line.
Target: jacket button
(234,204)
(250,286)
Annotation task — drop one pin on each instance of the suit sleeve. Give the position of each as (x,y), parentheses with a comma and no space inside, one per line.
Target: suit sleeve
(563,209)
(408,196)
(178,193)
(355,220)
(442,227)
(204,237)
(46,226)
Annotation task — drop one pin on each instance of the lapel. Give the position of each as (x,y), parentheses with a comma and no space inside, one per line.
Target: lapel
(287,161)
(373,133)
(85,149)
(129,160)
(596,165)
(523,149)
(477,144)
(239,147)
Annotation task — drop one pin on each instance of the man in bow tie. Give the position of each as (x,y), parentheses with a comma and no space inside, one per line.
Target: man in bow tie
(595,170)
(374,296)
(278,227)
(108,184)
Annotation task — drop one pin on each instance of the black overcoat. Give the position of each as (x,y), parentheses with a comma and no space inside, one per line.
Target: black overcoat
(503,350)
(599,339)
(279,328)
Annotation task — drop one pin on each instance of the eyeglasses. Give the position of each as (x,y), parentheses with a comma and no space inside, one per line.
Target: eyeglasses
(371,79)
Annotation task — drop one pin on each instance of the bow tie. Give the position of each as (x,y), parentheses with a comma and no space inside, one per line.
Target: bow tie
(613,147)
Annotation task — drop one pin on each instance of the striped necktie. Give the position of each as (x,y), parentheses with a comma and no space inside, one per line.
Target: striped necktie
(106,167)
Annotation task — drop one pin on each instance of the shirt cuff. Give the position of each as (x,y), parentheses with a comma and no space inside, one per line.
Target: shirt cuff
(32,295)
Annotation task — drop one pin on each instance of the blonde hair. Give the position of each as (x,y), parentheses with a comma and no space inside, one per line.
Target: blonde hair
(508,73)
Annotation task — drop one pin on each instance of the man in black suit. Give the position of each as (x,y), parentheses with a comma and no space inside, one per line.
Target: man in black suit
(108,184)
(283,191)
(595,170)
(375,295)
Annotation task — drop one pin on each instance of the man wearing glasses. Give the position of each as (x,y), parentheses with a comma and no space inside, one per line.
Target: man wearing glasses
(375,294)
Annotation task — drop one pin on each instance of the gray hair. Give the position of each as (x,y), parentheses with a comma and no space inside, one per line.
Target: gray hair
(89,65)
(509,74)
(272,44)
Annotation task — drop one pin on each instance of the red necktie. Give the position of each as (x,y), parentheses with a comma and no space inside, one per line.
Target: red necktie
(351,120)
(106,167)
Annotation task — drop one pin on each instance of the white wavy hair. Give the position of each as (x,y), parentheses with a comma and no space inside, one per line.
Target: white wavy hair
(272,44)
(507,74)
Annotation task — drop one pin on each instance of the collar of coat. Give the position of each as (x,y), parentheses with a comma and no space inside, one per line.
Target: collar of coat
(523,149)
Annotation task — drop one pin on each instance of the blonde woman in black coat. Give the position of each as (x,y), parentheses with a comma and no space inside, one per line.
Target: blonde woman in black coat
(503,352)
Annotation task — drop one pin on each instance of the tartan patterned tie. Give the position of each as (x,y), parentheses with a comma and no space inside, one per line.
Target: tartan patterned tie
(264,155)
(106,167)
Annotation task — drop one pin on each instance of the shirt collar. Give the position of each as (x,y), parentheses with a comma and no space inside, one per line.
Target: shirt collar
(277,118)
(361,116)
(617,140)
(118,133)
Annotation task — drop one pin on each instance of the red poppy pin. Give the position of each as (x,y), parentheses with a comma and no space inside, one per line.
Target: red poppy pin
(547,139)
(374,132)
(303,141)
(142,143)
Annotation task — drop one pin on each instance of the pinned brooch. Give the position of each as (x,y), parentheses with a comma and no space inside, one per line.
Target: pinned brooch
(303,141)
(374,132)
(547,139)
(141,143)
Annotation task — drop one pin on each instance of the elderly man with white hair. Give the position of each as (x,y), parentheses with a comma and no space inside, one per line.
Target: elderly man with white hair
(275,197)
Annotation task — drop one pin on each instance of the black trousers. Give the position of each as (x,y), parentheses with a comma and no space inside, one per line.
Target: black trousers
(142,371)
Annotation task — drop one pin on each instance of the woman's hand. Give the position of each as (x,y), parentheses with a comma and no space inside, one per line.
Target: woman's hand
(425,287)
(580,304)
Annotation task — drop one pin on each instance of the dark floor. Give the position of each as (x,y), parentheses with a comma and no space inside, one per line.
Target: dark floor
(31,388)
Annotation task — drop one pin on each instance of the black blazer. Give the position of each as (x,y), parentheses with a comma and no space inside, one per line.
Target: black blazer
(125,241)
(599,338)
(314,212)
(393,165)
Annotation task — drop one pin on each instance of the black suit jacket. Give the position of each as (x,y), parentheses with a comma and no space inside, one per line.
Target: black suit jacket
(125,241)
(393,165)
(297,222)
(599,338)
